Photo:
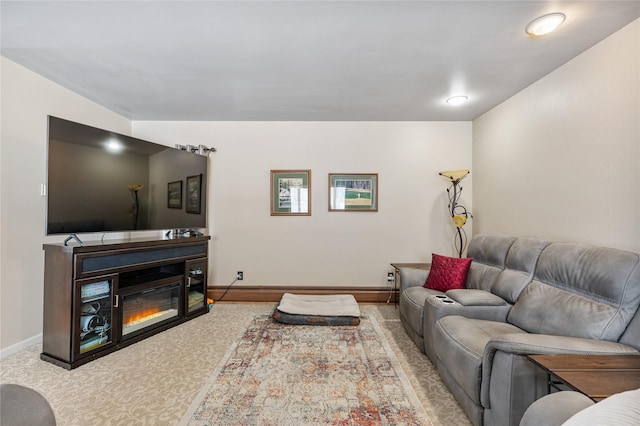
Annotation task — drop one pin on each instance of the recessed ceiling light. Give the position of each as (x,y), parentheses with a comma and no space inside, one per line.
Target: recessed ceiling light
(457,100)
(114,146)
(545,24)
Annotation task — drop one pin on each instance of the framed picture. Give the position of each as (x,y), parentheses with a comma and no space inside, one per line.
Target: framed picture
(174,195)
(357,192)
(194,184)
(290,192)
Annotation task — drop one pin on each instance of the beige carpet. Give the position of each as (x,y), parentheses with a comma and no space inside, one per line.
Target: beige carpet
(154,382)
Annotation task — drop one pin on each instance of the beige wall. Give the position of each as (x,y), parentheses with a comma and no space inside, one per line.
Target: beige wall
(27,99)
(561,159)
(324,249)
(352,249)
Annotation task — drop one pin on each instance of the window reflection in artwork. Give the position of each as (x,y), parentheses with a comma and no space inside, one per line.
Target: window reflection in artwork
(292,195)
(290,192)
(355,192)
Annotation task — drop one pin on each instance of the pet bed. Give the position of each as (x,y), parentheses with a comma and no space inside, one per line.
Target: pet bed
(309,309)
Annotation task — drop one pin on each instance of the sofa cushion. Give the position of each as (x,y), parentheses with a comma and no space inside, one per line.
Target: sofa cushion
(461,343)
(580,291)
(447,273)
(548,310)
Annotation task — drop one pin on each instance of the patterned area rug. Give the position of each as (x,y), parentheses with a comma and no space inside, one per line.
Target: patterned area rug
(281,374)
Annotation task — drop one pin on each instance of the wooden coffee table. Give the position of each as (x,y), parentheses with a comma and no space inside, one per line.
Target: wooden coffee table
(596,376)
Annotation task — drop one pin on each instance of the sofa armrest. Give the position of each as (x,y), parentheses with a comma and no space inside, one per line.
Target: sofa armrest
(456,302)
(530,344)
(473,297)
(410,277)
(470,303)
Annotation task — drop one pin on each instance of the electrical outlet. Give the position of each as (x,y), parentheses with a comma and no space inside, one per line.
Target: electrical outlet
(240,275)
(391,276)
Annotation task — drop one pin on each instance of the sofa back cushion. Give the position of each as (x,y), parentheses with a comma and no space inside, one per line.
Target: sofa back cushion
(519,268)
(503,265)
(489,254)
(580,291)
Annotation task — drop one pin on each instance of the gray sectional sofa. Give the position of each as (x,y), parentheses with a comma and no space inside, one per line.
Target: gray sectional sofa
(524,296)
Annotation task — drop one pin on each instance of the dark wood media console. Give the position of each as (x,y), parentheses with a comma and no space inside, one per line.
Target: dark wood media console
(101,297)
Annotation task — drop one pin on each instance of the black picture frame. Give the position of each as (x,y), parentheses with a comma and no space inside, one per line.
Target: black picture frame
(193,194)
(174,195)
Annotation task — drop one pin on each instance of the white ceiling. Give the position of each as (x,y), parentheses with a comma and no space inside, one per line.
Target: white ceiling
(299,60)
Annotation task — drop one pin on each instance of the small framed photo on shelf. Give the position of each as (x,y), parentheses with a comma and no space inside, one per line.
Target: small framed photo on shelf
(353,192)
(290,192)
(194,185)
(174,195)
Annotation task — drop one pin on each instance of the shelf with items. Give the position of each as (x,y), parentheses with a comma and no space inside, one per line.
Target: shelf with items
(196,287)
(95,314)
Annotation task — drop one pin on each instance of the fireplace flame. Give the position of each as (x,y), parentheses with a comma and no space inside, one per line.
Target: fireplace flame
(142,315)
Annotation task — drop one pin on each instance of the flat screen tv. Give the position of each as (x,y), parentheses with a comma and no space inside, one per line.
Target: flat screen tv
(101,181)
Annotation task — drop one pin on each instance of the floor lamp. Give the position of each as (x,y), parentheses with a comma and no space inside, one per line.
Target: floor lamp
(459,213)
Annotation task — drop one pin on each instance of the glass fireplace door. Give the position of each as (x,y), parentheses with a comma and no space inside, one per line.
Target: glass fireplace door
(149,306)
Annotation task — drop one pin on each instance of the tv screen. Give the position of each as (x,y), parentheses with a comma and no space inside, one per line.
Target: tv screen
(101,181)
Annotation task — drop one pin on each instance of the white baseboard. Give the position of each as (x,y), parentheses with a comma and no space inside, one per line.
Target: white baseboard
(20,346)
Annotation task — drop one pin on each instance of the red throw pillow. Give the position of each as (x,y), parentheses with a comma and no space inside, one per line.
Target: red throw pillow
(447,273)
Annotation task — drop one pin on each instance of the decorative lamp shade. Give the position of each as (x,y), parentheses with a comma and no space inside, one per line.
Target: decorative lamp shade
(459,221)
(455,175)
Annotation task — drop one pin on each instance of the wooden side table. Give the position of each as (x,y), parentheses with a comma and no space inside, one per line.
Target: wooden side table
(396,267)
(596,376)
